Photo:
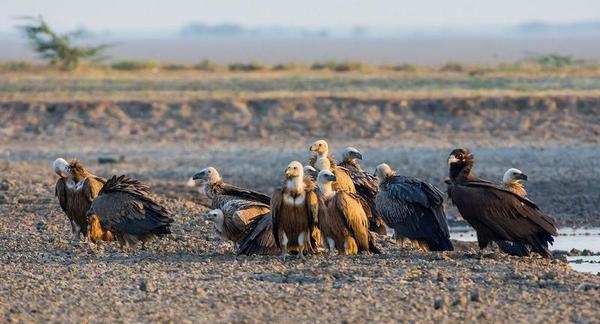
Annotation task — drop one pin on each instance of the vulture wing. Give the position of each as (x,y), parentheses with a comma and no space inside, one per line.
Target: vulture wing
(260,239)
(275,214)
(414,209)
(500,215)
(247,194)
(343,179)
(366,187)
(355,218)
(60,191)
(124,206)
(238,216)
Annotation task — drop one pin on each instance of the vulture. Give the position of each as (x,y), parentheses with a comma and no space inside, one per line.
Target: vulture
(259,238)
(294,209)
(513,181)
(344,224)
(220,192)
(497,214)
(124,211)
(76,189)
(322,160)
(233,219)
(366,187)
(413,208)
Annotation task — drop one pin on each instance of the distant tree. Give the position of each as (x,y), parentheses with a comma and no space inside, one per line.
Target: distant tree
(59,49)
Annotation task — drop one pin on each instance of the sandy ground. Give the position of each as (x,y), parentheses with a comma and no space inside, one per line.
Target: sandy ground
(194,276)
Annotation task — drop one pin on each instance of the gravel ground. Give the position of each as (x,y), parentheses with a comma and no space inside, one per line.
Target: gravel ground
(194,276)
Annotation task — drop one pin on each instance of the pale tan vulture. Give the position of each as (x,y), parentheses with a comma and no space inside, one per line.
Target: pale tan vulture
(322,160)
(344,224)
(497,214)
(76,189)
(366,187)
(295,208)
(124,211)
(232,221)
(220,192)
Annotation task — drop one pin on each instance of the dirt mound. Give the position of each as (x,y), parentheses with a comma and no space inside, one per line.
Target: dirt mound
(562,118)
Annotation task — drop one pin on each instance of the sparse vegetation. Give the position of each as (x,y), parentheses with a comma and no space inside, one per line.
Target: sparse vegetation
(207,66)
(134,65)
(452,67)
(59,49)
(246,67)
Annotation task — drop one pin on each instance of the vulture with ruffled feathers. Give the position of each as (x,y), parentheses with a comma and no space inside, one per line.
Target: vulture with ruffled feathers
(497,214)
(344,224)
(125,211)
(76,188)
(413,208)
(232,221)
(366,187)
(260,239)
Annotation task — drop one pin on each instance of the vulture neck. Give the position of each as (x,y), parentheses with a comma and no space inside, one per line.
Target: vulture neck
(80,174)
(353,163)
(323,162)
(461,172)
(326,190)
(211,189)
(516,187)
(295,186)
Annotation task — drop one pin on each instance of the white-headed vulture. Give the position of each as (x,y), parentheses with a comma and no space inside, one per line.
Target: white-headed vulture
(322,160)
(124,211)
(220,192)
(497,214)
(76,189)
(513,181)
(344,224)
(366,187)
(295,208)
(413,208)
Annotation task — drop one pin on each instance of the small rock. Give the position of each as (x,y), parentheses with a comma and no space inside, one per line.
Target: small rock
(574,252)
(586,252)
(147,286)
(461,300)
(440,277)
(474,296)
(438,303)
(5,185)
(586,286)
(3,199)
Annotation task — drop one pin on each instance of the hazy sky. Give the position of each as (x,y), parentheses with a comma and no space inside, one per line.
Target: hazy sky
(154,14)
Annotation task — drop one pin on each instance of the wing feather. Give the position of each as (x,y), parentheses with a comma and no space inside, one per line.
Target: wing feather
(275,214)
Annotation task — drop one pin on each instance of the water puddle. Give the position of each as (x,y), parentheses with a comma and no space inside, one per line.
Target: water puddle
(568,239)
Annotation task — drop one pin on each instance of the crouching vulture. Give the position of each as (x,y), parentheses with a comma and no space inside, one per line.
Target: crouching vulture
(259,238)
(344,224)
(497,214)
(232,221)
(413,208)
(76,188)
(124,211)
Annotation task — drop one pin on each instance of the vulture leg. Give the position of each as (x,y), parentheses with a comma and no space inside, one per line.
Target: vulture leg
(284,250)
(301,245)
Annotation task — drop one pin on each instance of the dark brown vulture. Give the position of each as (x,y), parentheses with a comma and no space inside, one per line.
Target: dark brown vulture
(233,219)
(344,224)
(124,211)
(295,208)
(413,208)
(260,239)
(496,213)
(513,181)
(220,192)
(76,189)
(322,160)
(366,187)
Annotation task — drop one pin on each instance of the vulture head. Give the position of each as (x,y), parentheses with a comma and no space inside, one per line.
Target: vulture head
(319,147)
(209,175)
(294,170)
(351,153)
(325,176)
(461,156)
(69,170)
(216,215)
(513,175)
(383,171)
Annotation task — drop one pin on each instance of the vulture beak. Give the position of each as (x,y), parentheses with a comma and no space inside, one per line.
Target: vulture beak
(356,155)
(521,176)
(452,159)
(199,176)
(288,173)
(331,177)
(313,148)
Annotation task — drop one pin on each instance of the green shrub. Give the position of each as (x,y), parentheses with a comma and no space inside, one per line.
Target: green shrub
(405,67)
(246,67)
(348,66)
(175,67)
(285,67)
(554,61)
(134,65)
(16,66)
(207,65)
